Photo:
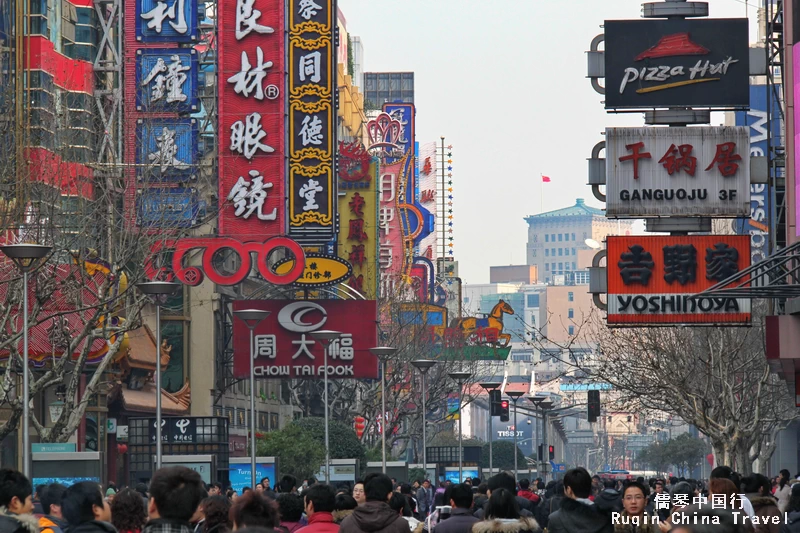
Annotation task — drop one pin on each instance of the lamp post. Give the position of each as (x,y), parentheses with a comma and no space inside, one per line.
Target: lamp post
(535,400)
(252,318)
(26,257)
(423,365)
(383,353)
(488,387)
(158,291)
(325,337)
(460,378)
(545,404)
(515,395)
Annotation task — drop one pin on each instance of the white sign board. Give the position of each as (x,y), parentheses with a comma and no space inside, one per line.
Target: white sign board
(688,172)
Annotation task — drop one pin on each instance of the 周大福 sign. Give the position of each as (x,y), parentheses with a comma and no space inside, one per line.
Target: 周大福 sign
(666,63)
(285,349)
(703,171)
(652,279)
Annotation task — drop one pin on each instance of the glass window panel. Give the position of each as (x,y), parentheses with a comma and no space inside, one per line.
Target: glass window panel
(172,377)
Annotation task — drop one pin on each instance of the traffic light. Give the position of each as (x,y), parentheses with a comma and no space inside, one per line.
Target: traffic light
(552,452)
(594,405)
(504,411)
(494,401)
(540,454)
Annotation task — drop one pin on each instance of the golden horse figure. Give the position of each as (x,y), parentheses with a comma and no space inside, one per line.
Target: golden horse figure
(489,329)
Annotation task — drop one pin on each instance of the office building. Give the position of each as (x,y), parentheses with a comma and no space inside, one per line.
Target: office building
(382,87)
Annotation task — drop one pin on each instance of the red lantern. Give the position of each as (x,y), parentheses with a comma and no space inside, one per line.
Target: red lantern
(360,424)
(122,449)
(710,459)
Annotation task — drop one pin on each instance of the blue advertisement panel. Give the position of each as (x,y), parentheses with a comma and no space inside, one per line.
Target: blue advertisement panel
(525,431)
(159,21)
(239,475)
(405,114)
(451,474)
(160,207)
(167,150)
(167,80)
(760,123)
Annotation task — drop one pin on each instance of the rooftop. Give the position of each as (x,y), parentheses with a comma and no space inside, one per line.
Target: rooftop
(579,209)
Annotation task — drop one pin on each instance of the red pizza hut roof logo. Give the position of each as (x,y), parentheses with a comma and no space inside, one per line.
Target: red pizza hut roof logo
(677,44)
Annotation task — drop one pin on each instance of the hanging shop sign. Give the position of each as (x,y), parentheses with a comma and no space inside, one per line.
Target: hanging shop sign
(652,279)
(284,347)
(429,196)
(164,207)
(403,115)
(167,150)
(677,172)
(174,21)
(251,118)
(678,62)
(312,128)
(321,270)
(167,80)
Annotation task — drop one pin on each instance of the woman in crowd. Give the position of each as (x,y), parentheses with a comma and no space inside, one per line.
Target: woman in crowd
(217,512)
(783,491)
(343,507)
(128,513)
(502,516)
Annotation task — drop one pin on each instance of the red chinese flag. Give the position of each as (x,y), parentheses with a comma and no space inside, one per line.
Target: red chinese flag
(545,179)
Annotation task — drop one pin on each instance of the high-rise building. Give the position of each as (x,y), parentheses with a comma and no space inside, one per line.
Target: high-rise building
(382,87)
(357,52)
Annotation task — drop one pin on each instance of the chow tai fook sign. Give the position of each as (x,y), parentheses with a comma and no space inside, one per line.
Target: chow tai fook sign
(284,348)
(668,63)
(251,118)
(652,279)
(700,171)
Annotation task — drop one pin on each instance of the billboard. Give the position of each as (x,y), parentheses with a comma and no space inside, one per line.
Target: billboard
(676,62)
(162,206)
(312,121)
(285,350)
(652,279)
(760,123)
(251,109)
(428,192)
(167,80)
(699,171)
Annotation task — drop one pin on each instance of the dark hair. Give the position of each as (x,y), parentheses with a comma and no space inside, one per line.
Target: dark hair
(405,488)
(705,519)
(502,481)
(502,504)
(609,484)
(127,511)
(218,485)
(377,487)
(141,488)
(290,507)
(310,482)
(756,482)
(785,477)
(482,488)
(524,484)
(288,483)
(254,510)
(263,479)
(323,497)
(635,485)
(344,502)
(722,472)
(216,510)
(79,499)
(13,483)
(397,502)
(682,488)
(177,492)
(579,480)
(794,501)
(52,495)
(461,494)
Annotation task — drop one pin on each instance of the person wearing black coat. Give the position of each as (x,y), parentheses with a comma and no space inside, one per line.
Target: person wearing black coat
(16,503)
(86,510)
(793,509)
(461,519)
(577,513)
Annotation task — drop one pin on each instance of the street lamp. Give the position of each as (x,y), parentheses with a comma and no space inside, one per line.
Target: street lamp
(423,365)
(252,318)
(383,353)
(488,387)
(325,337)
(158,291)
(515,395)
(460,378)
(26,257)
(545,404)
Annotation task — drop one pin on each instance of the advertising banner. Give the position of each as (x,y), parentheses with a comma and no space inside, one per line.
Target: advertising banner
(394,253)
(285,350)
(701,171)
(251,111)
(676,62)
(428,193)
(652,279)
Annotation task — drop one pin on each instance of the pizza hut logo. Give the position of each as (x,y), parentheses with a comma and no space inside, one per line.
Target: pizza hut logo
(671,76)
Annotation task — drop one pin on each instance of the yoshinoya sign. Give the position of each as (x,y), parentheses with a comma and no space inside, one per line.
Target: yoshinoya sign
(284,347)
(664,63)
(701,171)
(652,279)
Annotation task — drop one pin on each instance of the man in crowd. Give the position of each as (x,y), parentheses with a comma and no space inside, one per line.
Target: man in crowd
(16,503)
(319,501)
(578,514)
(288,484)
(254,510)
(86,510)
(424,499)
(53,520)
(175,494)
(461,519)
(375,516)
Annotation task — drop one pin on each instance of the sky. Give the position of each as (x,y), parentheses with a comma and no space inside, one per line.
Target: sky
(505,83)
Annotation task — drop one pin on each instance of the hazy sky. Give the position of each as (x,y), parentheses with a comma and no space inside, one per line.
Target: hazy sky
(504,82)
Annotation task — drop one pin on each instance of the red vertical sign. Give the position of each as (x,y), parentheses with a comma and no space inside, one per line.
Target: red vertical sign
(251,112)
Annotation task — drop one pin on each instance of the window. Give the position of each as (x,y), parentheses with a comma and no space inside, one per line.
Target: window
(546,237)
(581,278)
(566,236)
(570,296)
(533,300)
(573,236)
(552,237)
(534,253)
(559,237)
(573,265)
(546,252)
(560,251)
(572,330)
(553,267)
(561,266)
(574,252)
(536,237)
(571,313)
(547,267)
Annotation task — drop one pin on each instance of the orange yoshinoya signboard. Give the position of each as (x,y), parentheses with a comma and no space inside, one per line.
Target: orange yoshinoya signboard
(652,279)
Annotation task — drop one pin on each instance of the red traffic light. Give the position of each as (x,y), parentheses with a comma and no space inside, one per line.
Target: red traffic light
(504,404)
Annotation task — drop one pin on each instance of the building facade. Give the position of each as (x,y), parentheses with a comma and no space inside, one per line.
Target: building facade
(382,87)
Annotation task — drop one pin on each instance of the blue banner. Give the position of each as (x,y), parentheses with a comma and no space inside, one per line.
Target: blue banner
(159,21)
(167,150)
(167,80)
(159,207)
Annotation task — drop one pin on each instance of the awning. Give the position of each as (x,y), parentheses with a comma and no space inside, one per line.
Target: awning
(144,400)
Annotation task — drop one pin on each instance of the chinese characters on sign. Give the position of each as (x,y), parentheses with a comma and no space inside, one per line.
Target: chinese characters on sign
(653,279)
(167,150)
(166,80)
(312,105)
(251,119)
(677,172)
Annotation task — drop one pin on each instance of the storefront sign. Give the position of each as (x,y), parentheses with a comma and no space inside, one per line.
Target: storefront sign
(164,207)
(166,21)
(652,279)
(321,270)
(167,150)
(167,80)
(678,62)
(284,348)
(701,171)
(175,430)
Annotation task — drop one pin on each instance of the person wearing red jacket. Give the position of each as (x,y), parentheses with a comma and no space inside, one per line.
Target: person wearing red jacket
(320,501)
(524,491)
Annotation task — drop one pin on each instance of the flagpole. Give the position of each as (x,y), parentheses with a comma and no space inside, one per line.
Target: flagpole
(541,193)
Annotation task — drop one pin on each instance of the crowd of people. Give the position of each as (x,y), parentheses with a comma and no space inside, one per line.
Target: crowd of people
(177,501)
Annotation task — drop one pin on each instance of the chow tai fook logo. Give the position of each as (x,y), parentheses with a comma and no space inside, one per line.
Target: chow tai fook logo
(699,171)
(662,63)
(284,347)
(652,279)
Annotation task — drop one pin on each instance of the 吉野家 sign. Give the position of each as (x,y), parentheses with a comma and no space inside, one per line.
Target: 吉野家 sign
(664,63)
(654,172)
(652,279)
(284,347)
